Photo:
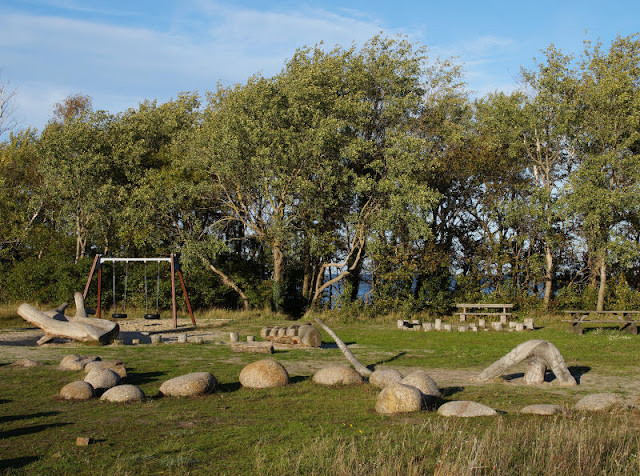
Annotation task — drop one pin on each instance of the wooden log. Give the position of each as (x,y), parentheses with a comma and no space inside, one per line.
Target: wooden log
(361,369)
(80,327)
(253,347)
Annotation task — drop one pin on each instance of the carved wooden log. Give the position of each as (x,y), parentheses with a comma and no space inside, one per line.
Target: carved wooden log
(253,347)
(79,327)
(304,335)
(541,354)
(361,369)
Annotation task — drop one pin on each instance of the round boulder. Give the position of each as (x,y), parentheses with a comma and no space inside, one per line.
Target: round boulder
(465,409)
(599,402)
(102,379)
(337,375)
(309,336)
(543,409)
(422,382)
(78,390)
(264,374)
(116,365)
(123,394)
(382,378)
(76,362)
(26,363)
(399,398)
(189,385)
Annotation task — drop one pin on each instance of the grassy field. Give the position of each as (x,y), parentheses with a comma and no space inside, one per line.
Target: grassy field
(304,428)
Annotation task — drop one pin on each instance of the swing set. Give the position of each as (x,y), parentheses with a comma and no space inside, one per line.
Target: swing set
(175,269)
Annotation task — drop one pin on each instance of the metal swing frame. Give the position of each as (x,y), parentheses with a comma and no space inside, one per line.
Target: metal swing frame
(175,269)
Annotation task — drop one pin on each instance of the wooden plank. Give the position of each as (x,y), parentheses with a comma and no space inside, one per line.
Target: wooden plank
(489,306)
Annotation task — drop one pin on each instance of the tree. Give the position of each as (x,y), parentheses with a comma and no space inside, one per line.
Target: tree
(7,106)
(605,189)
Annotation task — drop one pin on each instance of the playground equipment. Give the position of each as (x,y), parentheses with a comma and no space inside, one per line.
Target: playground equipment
(175,269)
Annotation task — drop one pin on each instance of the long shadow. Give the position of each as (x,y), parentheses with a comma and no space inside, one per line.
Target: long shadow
(386,361)
(333,345)
(15,463)
(8,418)
(299,378)
(448,391)
(4,400)
(29,430)
(136,378)
(230,387)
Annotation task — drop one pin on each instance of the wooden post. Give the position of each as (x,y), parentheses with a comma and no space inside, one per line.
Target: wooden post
(173,291)
(96,262)
(99,290)
(186,296)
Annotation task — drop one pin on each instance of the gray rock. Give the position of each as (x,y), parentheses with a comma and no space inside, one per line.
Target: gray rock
(26,363)
(309,336)
(78,390)
(102,379)
(599,402)
(116,365)
(337,375)
(382,378)
(264,374)
(123,393)
(422,382)
(465,409)
(76,362)
(189,385)
(399,398)
(543,409)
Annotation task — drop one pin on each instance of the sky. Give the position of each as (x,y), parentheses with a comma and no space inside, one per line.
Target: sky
(121,52)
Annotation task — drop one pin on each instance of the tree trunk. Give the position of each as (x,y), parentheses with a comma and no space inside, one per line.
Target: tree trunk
(361,369)
(603,282)
(278,277)
(307,270)
(548,279)
(226,280)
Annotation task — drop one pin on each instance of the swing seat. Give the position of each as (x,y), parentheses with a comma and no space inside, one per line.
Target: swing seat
(152,316)
(118,315)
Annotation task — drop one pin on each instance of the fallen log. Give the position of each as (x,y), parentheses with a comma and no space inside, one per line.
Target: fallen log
(253,347)
(79,327)
(361,369)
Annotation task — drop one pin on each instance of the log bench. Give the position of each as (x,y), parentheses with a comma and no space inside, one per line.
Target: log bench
(496,310)
(624,320)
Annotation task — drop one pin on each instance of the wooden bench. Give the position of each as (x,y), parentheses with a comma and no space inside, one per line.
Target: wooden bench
(499,310)
(624,320)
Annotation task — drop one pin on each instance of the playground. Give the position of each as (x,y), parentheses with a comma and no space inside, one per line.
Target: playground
(308,428)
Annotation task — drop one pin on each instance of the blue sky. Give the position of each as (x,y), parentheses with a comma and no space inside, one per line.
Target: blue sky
(122,52)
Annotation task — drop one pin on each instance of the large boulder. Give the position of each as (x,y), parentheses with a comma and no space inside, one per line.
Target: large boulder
(189,385)
(76,362)
(399,398)
(382,378)
(543,409)
(264,374)
(78,390)
(123,394)
(102,379)
(116,365)
(309,336)
(422,382)
(337,375)
(465,409)
(599,402)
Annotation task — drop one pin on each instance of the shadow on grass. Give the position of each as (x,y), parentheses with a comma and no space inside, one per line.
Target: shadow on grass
(15,463)
(448,391)
(8,418)
(386,361)
(549,376)
(333,345)
(4,400)
(135,378)
(29,430)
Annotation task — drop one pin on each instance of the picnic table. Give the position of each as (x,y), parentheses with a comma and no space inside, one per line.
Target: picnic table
(500,310)
(623,319)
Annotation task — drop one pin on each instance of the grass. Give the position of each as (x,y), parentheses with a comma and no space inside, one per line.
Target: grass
(307,429)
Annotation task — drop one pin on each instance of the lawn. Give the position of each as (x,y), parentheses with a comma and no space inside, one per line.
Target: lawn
(305,428)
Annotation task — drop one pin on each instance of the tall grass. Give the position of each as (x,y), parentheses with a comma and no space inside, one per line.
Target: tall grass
(528,445)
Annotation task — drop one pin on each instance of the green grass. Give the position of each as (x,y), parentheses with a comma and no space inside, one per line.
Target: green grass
(304,428)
